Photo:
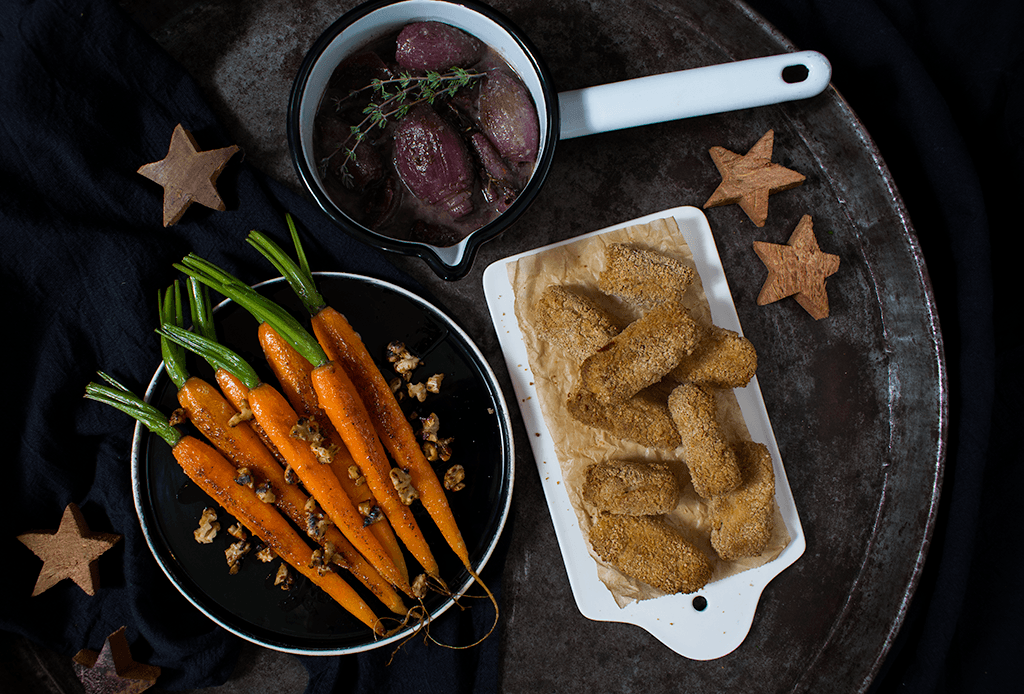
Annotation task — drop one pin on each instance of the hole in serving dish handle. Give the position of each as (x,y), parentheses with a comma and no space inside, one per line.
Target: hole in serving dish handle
(696,92)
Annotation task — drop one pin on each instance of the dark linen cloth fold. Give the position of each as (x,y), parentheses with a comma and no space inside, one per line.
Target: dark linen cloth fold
(86,99)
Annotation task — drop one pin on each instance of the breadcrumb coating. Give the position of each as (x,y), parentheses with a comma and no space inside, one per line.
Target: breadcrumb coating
(712,463)
(573,322)
(641,277)
(642,419)
(642,354)
(633,488)
(723,359)
(648,549)
(742,520)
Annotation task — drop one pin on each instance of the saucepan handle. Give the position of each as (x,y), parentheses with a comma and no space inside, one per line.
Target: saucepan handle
(696,92)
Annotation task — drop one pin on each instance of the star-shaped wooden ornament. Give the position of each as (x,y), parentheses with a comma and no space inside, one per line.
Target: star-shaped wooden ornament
(188,175)
(797,268)
(113,670)
(72,551)
(749,179)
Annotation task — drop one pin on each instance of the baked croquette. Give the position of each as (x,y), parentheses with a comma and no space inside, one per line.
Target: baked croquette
(712,463)
(643,419)
(642,278)
(633,488)
(648,549)
(723,359)
(573,322)
(644,352)
(742,520)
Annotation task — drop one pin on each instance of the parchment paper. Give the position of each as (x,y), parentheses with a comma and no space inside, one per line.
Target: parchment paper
(577,266)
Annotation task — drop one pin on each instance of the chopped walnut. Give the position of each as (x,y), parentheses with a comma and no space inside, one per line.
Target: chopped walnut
(370,512)
(178,417)
(395,384)
(403,485)
(235,553)
(355,475)
(404,361)
(307,429)
(441,449)
(244,477)
(238,532)
(290,476)
(316,522)
(430,425)
(454,478)
(208,526)
(265,493)
(434,383)
(318,563)
(418,391)
(243,415)
(419,586)
(265,555)
(284,577)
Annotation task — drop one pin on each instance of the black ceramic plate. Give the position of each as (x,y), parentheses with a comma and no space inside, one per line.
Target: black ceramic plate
(305,620)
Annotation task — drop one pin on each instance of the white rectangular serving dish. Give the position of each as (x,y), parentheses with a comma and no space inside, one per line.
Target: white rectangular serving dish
(723,623)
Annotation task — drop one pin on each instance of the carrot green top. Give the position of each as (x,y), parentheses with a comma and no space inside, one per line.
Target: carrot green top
(296,272)
(262,308)
(116,395)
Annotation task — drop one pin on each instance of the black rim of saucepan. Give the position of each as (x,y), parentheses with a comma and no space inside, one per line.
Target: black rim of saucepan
(483,234)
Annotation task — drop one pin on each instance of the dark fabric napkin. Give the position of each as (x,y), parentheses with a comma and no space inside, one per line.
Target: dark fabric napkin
(87,98)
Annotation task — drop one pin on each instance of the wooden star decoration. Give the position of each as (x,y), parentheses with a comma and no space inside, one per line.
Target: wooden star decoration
(797,268)
(113,670)
(188,175)
(72,551)
(749,179)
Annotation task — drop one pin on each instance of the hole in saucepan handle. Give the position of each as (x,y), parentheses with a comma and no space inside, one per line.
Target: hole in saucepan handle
(793,74)
(700,603)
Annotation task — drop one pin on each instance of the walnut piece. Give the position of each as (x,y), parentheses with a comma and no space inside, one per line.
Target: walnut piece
(307,429)
(403,485)
(244,415)
(284,577)
(404,362)
(417,391)
(235,553)
(454,478)
(434,383)
(244,478)
(208,526)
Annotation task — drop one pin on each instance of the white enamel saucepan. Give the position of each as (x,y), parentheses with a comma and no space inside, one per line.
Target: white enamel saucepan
(627,104)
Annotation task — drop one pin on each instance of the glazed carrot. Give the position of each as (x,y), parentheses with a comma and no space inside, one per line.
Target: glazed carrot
(343,346)
(278,419)
(294,375)
(215,418)
(335,393)
(216,476)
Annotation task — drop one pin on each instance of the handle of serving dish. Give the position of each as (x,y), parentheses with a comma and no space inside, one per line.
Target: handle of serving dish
(696,92)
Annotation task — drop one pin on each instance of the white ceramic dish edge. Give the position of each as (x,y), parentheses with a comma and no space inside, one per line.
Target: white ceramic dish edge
(724,623)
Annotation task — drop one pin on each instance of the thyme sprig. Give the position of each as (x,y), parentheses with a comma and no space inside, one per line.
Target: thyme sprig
(391,101)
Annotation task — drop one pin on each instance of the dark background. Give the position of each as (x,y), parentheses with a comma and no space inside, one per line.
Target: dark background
(939,85)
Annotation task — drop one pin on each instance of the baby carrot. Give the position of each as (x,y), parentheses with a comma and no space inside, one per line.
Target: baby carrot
(216,476)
